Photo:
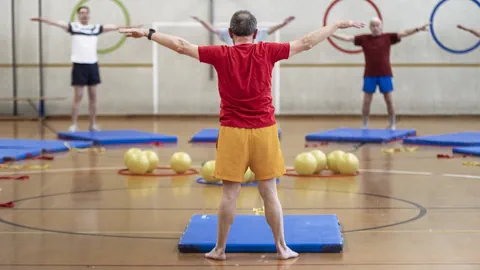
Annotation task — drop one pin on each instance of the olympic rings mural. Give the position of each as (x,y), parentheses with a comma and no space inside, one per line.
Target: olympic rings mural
(125,15)
(432,28)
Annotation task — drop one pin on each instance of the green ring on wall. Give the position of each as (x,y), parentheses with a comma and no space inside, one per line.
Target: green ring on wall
(127,22)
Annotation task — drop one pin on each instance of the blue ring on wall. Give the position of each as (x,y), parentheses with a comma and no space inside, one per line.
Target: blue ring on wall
(439,43)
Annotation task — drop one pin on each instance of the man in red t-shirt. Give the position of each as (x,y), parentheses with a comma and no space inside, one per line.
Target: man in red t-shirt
(378,71)
(248,135)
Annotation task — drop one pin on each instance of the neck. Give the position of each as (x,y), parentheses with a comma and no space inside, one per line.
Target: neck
(242,40)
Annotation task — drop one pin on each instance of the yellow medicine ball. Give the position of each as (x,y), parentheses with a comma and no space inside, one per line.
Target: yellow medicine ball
(321,160)
(332,160)
(180,162)
(207,171)
(305,164)
(129,153)
(138,163)
(152,160)
(348,164)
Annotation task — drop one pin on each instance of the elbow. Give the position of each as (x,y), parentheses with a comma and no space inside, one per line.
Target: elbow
(306,44)
(307,47)
(181,50)
(181,47)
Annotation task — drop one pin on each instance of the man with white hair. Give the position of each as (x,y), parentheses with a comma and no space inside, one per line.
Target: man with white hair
(378,70)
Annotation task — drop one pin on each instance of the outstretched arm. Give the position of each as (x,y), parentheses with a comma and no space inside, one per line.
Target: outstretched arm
(412,31)
(174,43)
(473,31)
(113,27)
(205,24)
(275,28)
(312,39)
(59,24)
(344,37)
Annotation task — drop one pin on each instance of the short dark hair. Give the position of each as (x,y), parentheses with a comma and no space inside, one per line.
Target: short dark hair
(243,23)
(83,7)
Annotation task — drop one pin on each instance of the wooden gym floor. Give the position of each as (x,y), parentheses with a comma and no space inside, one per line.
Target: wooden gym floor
(404,211)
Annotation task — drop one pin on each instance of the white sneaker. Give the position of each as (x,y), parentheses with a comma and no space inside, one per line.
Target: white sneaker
(392,127)
(73,128)
(94,128)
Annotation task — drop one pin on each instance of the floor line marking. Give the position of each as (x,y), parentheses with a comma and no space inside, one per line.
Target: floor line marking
(86,169)
(461,176)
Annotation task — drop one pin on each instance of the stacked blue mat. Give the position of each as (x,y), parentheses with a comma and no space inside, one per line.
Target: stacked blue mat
(472,150)
(467,143)
(357,135)
(249,233)
(111,137)
(19,149)
(452,139)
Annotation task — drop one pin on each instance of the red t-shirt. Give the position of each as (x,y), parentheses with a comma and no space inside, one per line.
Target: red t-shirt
(377,53)
(245,81)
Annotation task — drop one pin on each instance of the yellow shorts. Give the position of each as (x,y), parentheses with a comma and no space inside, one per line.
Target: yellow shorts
(240,148)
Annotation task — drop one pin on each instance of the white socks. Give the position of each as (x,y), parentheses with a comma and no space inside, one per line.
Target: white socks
(392,119)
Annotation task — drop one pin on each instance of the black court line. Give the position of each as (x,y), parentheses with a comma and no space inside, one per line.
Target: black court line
(422,212)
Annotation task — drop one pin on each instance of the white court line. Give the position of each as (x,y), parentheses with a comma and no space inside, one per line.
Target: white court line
(461,176)
(69,170)
(395,172)
(61,170)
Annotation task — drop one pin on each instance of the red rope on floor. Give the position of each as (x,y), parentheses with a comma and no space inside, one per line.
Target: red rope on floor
(7,205)
(313,145)
(444,156)
(44,158)
(15,177)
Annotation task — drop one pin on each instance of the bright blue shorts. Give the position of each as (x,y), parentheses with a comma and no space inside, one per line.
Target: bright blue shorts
(385,83)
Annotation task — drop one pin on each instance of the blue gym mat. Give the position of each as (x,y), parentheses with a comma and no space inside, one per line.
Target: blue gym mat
(210,135)
(473,150)
(118,137)
(8,154)
(42,145)
(359,135)
(250,233)
(452,139)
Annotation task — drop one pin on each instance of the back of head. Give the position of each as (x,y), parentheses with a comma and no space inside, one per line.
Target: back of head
(243,23)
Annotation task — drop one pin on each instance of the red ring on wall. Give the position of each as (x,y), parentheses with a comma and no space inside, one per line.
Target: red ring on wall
(325,18)
(188,172)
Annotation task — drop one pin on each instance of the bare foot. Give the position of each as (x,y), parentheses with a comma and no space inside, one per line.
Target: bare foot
(286,253)
(216,254)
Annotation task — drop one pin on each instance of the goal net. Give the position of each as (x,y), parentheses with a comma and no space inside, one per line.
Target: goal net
(182,85)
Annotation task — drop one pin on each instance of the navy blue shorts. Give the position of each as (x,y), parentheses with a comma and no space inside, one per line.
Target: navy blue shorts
(385,83)
(85,74)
